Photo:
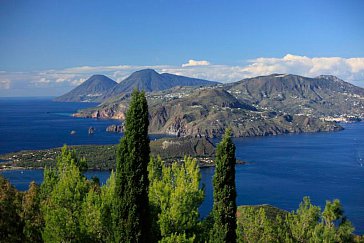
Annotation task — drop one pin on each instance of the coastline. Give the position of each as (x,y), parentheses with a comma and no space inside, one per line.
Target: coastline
(20,168)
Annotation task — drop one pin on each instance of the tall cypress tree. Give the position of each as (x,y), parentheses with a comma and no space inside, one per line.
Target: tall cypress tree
(131,207)
(224,209)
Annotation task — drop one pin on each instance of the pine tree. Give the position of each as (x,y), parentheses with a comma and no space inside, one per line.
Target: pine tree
(92,216)
(66,189)
(302,222)
(131,208)
(254,226)
(11,224)
(224,209)
(31,216)
(107,200)
(175,193)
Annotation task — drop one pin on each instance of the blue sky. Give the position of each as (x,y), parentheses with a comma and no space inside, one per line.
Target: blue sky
(43,36)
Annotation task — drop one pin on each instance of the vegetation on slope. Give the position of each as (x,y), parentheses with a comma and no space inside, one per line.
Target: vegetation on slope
(103,157)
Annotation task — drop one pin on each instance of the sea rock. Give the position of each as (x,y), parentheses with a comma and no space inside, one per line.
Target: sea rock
(91,130)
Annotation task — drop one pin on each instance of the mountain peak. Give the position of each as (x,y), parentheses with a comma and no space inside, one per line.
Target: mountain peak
(149,80)
(90,90)
(147,71)
(97,76)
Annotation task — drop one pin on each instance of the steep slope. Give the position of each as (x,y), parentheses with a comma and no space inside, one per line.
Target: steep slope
(207,111)
(149,80)
(90,90)
(321,96)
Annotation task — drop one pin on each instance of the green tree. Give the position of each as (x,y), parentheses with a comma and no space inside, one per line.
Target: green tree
(62,209)
(69,157)
(176,194)
(11,225)
(177,238)
(254,226)
(131,207)
(303,222)
(309,224)
(224,208)
(97,209)
(107,200)
(334,227)
(50,179)
(92,216)
(31,215)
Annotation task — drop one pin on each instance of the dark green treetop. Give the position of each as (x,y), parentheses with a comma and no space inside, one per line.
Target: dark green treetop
(131,207)
(224,209)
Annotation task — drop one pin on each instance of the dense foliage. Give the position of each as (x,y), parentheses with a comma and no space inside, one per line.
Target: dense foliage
(175,196)
(10,210)
(62,208)
(307,224)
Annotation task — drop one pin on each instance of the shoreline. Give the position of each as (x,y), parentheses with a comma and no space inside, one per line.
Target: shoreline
(20,168)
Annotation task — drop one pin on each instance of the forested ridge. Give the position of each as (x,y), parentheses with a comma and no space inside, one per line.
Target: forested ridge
(147,200)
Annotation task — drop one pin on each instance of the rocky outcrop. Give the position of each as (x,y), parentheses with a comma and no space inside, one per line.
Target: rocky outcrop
(104,112)
(91,130)
(180,147)
(115,128)
(248,128)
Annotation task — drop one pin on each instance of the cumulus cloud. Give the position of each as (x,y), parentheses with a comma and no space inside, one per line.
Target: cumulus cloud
(77,82)
(41,82)
(348,69)
(192,63)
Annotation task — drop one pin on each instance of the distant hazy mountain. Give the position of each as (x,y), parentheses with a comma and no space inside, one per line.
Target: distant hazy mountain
(149,80)
(99,88)
(89,91)
(265,105)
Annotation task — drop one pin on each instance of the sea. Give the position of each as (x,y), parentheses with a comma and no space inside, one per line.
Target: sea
(280,170)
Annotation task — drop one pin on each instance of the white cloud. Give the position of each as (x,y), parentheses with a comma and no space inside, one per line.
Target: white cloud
(192,63)
(77,82)
(348,69)
(42,81)
(5,84)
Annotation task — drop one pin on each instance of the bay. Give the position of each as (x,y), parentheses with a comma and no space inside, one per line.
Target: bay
(281,169)
(39,123)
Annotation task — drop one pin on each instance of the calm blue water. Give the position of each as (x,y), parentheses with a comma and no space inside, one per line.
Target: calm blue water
(39,123)
(282,169)
(286,168)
